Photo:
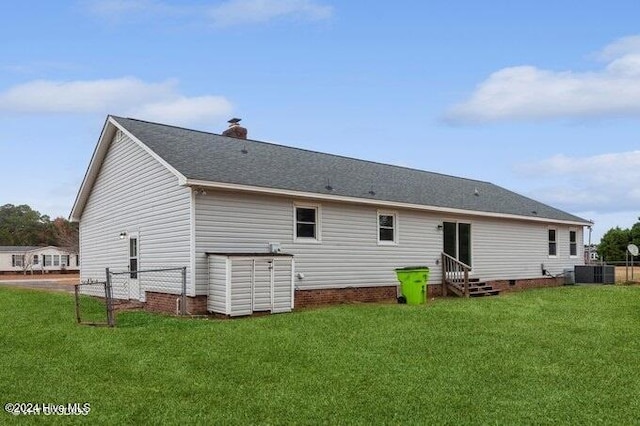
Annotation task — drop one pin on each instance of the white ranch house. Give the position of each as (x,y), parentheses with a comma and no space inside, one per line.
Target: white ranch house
(36,260)
(262,226)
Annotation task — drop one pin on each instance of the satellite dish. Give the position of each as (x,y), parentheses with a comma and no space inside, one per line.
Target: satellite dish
(633,249)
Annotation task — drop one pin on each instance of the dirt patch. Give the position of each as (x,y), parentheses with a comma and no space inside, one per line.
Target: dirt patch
(51,282)
(633,274)
(39,277)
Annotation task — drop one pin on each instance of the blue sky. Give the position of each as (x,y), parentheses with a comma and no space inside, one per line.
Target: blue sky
(541,97)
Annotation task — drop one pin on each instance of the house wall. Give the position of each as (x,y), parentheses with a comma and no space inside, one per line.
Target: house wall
(349,254)
(516,249)
(134,193)
(7,267)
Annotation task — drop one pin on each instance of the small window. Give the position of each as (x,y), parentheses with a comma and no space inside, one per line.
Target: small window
(133,257)
(56,260)
(46,259)
(17,260)
(387,228)
(64,260)
(306,222)
(36,259)
(573,243)
(553,248)
(77,260)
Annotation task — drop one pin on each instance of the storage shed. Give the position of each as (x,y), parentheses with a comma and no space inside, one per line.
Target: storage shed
(244,283)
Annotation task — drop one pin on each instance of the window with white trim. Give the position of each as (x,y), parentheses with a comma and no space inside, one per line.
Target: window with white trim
(573,243)
(307,223)
(17,260)
(47,259)
(36,259)
(553,243)
(133,257)
(387,228)
(56,260)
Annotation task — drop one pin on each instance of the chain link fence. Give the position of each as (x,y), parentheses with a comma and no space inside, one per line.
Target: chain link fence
(94,304)
(96,301)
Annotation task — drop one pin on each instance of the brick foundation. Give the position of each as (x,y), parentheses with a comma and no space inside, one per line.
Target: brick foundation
(525,284)
(304,298)
(164,302)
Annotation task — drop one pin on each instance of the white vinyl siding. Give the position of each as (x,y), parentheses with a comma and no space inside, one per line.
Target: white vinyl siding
(350,255)
(240,287)
(134,193)
(516,249)
(217,296)
(282,289)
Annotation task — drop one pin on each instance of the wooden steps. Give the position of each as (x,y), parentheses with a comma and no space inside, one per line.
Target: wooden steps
(477,288)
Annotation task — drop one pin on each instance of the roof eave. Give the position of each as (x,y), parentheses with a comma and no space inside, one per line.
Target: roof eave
(368,201)
(109,130)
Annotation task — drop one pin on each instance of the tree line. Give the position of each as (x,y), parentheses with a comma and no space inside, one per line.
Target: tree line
(613,245)
(23,226)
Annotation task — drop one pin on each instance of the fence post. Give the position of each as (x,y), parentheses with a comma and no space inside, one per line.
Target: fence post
(183,304)
(444,275)
(77,293)
(107,295)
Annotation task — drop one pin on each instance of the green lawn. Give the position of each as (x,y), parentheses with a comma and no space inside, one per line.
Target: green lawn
(567,355)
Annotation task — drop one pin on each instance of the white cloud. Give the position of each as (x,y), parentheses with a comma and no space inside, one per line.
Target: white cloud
(621,47)
(240,12)
(530,93)
(119,10)
(124,96)
(602,184)
(606,221)
(184,110)
(223,14)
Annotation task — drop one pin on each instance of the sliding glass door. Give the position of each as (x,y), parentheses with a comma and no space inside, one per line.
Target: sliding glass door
(457,241)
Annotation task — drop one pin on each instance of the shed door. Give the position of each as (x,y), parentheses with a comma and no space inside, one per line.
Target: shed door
(241,286)
(282,285)
(263,285)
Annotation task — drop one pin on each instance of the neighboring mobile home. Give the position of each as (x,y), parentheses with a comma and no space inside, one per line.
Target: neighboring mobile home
(37,260)
(261,226)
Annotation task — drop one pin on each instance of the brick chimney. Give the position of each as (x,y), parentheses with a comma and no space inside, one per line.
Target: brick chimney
(235,130)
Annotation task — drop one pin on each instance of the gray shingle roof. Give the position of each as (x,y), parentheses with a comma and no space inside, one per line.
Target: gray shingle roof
(17,249)
(210,157)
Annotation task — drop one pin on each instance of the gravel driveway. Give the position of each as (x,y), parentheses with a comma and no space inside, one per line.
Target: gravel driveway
(53,283)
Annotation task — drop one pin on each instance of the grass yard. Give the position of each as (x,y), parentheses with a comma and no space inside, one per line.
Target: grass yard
(568,355)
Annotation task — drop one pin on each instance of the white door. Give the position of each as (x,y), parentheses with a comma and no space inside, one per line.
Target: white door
(263,285)
(282,285)
(134,266)
(241,286)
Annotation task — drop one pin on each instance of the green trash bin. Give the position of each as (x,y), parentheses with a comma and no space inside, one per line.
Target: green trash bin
(413,283)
